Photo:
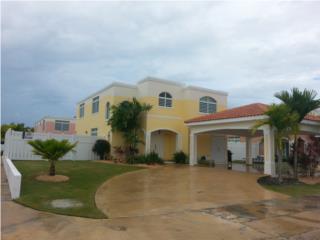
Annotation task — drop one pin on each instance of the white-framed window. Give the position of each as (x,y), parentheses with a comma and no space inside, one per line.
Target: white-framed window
(207,105)
(165,100)
(107,116)
(234,139)
(81,110)
(94,131)
(95,104)
(61,125)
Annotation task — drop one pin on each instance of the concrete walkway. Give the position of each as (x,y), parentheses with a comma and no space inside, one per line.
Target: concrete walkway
(248,217)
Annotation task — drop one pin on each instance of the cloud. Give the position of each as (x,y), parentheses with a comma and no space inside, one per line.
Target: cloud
(56,53)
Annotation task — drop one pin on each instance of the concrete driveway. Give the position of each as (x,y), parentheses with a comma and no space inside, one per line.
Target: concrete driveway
(175,203)
(177,188)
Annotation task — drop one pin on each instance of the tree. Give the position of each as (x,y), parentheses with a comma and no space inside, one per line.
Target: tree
(101,148)
(283,122)
(301,102)
(51,150)
(14,126)
(126,118)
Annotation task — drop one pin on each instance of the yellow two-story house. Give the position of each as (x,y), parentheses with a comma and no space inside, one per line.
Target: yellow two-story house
(164,130)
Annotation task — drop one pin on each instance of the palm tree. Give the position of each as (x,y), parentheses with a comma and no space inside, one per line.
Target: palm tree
(127,118)
(52,150)
(283,122)
(301,102)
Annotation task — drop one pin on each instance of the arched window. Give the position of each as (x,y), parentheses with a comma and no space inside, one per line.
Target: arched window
(207,105)
(107,110)
(165,99)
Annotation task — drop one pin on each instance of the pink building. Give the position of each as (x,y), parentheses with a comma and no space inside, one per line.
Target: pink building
(56,125)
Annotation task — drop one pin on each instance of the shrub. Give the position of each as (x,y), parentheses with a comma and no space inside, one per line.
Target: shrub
(180,157)
(151,158)
(101,148)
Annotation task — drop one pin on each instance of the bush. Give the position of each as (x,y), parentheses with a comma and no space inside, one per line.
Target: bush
(151,158)
(102,148)
(180,157)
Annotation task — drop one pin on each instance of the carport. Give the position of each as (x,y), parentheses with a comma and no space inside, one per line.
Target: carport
(239,122)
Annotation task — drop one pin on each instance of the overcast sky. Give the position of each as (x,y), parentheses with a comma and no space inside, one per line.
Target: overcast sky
(56,53)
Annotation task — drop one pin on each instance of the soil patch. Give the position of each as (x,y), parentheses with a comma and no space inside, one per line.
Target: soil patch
(56,178)
(310,180)
(66,203)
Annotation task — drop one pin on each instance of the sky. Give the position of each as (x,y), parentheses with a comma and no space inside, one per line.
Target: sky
(54,54)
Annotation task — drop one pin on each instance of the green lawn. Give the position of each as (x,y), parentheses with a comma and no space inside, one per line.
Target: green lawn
(295,190)
(85,178)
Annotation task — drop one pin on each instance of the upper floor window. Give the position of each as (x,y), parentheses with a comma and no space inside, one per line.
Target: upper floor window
(94,131)
(61,125)
(107,110)
(81,110)
(234,139)
(165,99)
(95,104)
(207,105)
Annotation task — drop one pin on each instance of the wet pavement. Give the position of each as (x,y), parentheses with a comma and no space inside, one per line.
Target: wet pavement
(177,188)
(248,212)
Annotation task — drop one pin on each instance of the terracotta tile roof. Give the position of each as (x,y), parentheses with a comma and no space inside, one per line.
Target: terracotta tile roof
(254,109)
(312,118)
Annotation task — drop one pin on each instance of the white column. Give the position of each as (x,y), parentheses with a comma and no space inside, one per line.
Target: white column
(178,142)
(248,150)
(269,161)
(193,149)
(147,142)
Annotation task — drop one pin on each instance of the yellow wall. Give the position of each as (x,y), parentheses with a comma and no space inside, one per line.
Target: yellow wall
(158,118)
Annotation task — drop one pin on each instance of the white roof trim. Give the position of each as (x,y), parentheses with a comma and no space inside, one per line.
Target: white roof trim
(310,122)
(113,84)
(227,120)
(153,79)
(206,90)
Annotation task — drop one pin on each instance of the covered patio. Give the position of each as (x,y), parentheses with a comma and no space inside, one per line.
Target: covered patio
(239,122)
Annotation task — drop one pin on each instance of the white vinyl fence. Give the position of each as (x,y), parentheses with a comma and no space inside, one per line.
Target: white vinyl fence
(16,145)
(13,176)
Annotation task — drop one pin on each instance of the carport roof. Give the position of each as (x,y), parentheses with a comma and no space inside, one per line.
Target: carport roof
(251,110)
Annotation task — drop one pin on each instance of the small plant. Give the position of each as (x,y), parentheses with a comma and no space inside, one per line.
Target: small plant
(101,148)
(180,157)
(51,150)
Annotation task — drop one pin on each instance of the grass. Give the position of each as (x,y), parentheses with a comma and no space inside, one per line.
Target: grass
(295,190)
(85,178)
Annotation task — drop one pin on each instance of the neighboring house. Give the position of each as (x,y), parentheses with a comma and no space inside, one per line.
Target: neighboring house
(164,130)
(56,125)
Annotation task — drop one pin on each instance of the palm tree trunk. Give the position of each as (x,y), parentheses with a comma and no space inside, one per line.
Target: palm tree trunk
(295,157)
(52,170)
